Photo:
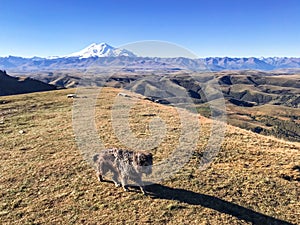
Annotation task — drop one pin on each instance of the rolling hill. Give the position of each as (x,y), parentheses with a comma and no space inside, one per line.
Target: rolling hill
(263,102)
(20,85)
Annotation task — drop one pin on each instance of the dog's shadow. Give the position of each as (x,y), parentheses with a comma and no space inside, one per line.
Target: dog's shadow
(192,198)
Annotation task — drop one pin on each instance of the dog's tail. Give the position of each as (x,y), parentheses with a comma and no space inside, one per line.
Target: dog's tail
(95,158)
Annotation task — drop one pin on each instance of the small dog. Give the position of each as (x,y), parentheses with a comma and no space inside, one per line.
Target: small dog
(124,165)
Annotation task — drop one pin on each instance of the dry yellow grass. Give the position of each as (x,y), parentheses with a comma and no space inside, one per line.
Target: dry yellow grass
(45,180)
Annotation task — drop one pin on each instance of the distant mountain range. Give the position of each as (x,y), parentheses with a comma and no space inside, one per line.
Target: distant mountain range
(104,55)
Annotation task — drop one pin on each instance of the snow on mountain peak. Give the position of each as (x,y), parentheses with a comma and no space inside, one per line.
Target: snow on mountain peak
(101,50)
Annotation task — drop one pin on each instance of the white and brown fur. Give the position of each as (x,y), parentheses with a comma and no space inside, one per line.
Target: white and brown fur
(124,165)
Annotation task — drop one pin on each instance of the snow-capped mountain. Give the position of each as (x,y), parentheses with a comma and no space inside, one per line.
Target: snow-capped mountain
(101,50)
(104,55)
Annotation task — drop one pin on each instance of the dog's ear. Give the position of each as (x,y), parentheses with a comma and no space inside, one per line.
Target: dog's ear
(149,158)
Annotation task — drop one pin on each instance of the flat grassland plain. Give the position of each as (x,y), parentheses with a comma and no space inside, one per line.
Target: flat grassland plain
(45,180)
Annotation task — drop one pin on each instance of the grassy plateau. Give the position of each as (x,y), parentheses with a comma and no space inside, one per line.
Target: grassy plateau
(44,179)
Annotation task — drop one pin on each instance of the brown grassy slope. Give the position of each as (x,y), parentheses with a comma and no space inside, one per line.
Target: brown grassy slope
(45,180)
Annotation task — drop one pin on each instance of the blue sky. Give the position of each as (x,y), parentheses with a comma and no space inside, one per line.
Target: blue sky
(232,28)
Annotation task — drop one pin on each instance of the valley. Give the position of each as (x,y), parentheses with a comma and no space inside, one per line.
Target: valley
(260,101)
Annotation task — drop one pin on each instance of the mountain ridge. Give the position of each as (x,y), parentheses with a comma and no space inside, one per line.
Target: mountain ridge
(202,64)
(104,55)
